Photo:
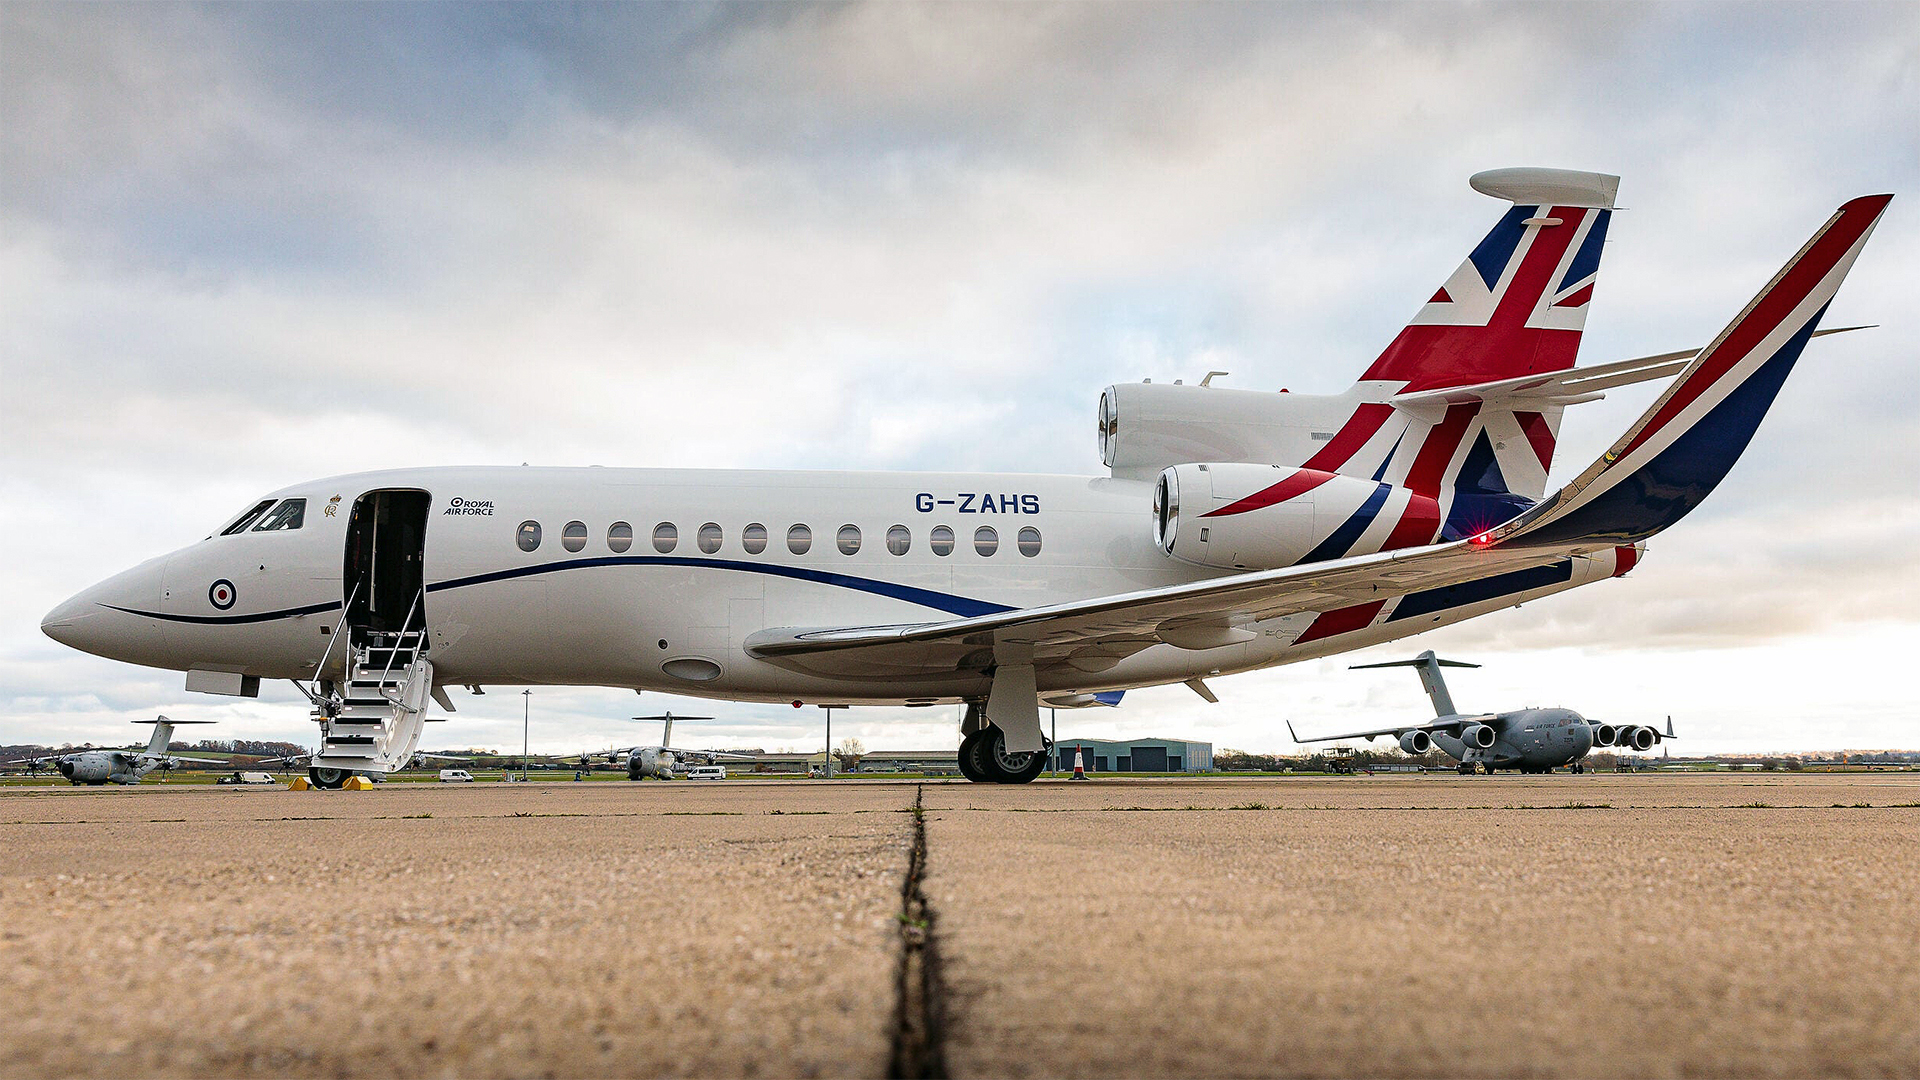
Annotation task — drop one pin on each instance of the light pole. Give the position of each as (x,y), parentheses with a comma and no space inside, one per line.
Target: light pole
(526,730)
(829,709)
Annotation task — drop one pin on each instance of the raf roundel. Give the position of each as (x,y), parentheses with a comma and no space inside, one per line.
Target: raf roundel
(221,594)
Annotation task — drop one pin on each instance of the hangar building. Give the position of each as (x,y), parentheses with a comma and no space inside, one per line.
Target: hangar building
(1135,755)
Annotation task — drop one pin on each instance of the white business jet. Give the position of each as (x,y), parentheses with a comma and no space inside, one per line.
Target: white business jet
(1233,530)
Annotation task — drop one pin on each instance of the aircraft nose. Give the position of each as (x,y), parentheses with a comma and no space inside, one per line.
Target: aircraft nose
(67,623)
(100,619)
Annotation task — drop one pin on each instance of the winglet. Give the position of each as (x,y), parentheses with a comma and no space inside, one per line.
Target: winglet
(1685,444)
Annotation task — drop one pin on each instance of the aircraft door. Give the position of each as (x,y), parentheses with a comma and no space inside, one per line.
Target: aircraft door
(386,550)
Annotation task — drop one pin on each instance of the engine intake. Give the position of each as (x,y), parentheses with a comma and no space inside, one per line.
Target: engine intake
(1605,735)
(1639,738)
(1478,736)
(1416,742)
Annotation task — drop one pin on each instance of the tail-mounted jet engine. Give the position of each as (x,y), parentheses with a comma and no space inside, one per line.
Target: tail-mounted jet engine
(1477,736)
(1237,516)
(1416,742)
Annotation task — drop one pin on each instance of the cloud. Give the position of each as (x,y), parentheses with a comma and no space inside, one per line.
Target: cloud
(245,245)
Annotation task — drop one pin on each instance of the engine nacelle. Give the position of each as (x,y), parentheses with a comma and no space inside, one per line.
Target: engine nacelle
(1638,738)
(1145,427)
(1416,742)
(1238,516)
(1605,735)
(1477,736)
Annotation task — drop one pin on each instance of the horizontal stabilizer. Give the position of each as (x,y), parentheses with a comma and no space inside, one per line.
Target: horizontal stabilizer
(1570,387)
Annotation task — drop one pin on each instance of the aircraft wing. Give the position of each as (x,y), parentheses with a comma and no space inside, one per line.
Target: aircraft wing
(193,760)
(1664,466)
(1449,724)
(716,755)
(1097,633)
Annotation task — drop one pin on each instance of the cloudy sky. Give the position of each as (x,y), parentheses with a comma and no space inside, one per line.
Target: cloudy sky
(246,245)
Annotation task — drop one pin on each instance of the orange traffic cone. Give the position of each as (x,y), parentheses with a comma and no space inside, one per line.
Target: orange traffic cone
(1079,763)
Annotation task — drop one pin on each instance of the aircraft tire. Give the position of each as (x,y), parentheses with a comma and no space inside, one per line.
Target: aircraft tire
(328,779)
(969,763)
(1006,768)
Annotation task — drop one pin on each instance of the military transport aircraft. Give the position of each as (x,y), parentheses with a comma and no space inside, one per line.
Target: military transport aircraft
(661,762)
(1234,530)
(1529,740)
(97,767)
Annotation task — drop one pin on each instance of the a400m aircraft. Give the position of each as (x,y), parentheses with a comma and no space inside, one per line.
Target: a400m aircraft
(1235,530)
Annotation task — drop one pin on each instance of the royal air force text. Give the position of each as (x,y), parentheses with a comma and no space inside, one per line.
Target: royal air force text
(977,503)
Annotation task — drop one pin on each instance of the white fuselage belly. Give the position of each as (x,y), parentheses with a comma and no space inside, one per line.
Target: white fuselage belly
(597,616)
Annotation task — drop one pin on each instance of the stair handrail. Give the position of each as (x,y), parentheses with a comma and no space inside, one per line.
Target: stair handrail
(346,612)
(394,650)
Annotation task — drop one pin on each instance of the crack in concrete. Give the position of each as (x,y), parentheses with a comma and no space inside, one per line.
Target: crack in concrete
(919,1027)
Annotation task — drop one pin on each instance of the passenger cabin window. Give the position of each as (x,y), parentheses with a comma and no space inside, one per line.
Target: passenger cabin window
(1029,541)
(665,536)
(849,539)
(985,540)
(241,523)
(290,514)
(941,540)
(709,537)
(799,539)
(754,538)
(619,536)
(899,540)
(574,536)
(528,535)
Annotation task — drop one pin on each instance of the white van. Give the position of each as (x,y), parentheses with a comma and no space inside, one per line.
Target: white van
(455,776)
(247,778)
(707,772)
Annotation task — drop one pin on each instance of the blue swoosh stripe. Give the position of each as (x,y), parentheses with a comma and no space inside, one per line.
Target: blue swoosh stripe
(953,605)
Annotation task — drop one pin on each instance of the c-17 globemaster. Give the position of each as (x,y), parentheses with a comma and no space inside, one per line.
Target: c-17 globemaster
(1530,740)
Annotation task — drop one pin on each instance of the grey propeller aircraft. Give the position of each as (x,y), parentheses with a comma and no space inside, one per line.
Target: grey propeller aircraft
(1527,740)
(96,767)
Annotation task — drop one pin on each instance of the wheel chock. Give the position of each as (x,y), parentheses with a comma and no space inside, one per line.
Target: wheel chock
(357,783)
(300,783)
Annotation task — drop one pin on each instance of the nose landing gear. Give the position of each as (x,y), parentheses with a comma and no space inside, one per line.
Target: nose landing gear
(328,779)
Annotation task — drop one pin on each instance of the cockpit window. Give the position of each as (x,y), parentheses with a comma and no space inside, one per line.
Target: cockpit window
(290,514)
(240,523)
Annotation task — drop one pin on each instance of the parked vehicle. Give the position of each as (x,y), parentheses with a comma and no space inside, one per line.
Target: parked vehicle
(455,776)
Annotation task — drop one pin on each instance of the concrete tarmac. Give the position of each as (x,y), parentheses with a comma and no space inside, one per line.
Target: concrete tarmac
(1653,925)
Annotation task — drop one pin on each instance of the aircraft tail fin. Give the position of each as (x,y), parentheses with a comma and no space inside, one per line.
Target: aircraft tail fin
(1687,441)
(1430,678)
(1518,304)
(163,732)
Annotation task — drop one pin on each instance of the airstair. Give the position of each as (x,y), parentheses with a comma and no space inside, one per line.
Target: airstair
(374,724)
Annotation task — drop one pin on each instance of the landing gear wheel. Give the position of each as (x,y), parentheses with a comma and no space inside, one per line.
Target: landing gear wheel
(969,764)
(984,759)
(328,779)
(1489,768)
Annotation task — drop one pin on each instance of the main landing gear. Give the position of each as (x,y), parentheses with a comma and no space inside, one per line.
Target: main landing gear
(984,758)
